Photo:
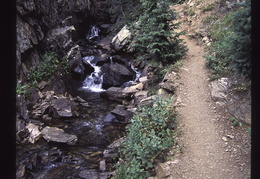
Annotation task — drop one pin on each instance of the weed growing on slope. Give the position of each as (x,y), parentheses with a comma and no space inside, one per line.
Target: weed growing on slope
(147,136)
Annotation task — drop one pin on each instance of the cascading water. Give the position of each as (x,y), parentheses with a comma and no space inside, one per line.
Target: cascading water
(93,82)
(93,33)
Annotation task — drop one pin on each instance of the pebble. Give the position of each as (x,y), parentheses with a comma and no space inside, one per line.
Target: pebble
(224,139)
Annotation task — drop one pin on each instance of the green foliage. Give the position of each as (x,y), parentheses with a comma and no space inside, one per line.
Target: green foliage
(231,47)
(48,67)
(235,122)
(21,89)
(124,12)
(240,44)
(157,36)
(147,136)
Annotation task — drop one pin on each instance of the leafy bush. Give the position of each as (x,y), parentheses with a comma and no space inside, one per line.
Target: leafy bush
(231,47)
(47,67)
(147,136)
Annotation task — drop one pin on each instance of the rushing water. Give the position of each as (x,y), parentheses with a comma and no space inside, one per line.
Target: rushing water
(93,82)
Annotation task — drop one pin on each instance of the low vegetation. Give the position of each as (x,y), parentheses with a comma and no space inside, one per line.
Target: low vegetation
(50,65)
(150,134)
(231,47)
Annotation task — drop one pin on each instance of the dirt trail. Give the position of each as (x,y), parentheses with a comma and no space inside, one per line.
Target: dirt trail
(211,147)
(204,153)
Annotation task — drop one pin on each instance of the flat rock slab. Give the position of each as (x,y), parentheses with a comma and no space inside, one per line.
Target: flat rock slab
(58,135)
(61,107)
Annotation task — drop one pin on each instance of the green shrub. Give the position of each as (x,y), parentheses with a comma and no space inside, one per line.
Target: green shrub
(21,89)
(49,66)
(157,37)
(231,47)
(147,136)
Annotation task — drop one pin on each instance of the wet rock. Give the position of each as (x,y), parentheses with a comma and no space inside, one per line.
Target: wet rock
(219,90)
(109,118)
(60,107)
(34,132)
(105,44)
(75,62)
(58,135)
(87,174)
(20,171)
(116,94)
(116,75)
(121,39)
(122,114)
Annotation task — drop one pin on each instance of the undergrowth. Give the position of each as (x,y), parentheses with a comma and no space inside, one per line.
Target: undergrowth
(50,65)
(149,134)
(231,47)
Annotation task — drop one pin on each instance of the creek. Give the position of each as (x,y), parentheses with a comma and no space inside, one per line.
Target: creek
(91,157)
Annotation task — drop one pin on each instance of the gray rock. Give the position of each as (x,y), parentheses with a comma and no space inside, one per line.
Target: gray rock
(116,74)
(60,107)
(61,39)
(105,44)
(121,39)
(87,174)
(34,132)
(58,135)
(122,114)
(116,94)
(219,90)
(109,118)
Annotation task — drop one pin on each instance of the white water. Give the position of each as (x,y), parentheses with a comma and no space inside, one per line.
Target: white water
(94,81)
(93,32)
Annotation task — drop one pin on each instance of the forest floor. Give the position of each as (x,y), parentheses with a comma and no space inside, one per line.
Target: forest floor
(210,146)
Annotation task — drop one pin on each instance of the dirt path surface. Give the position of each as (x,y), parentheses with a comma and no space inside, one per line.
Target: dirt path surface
(205,141)
(211,147)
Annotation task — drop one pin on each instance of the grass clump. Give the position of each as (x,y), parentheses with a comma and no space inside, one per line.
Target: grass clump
(148,136)
(188,11)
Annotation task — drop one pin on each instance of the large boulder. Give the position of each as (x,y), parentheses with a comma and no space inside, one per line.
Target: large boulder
(55,134)
(116,74)
(121,39)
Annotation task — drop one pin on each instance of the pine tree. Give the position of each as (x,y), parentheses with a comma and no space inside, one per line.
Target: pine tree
(240,43)
(157,37)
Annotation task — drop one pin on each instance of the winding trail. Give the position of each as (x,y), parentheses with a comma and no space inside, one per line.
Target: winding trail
(205,139)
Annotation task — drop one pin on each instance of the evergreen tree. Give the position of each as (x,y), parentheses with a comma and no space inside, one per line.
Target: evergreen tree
(240,43)
(157,36)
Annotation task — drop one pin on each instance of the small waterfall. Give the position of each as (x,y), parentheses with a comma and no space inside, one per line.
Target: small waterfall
(93,33)
(93,82)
